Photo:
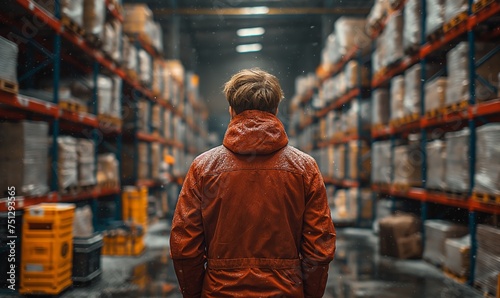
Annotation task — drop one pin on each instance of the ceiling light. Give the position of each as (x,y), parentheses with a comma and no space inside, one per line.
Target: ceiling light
(246,48)
(256,10)
(250,31)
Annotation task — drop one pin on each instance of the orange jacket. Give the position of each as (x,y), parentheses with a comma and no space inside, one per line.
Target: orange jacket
(252,219)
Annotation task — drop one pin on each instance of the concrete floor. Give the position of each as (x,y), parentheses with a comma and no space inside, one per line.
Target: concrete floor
(358,271)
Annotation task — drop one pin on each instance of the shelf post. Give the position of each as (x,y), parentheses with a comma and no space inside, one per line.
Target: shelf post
(55,85)
(473,245)
(423,141)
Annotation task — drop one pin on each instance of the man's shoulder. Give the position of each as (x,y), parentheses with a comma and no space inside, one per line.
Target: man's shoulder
(300,156)
(209,156)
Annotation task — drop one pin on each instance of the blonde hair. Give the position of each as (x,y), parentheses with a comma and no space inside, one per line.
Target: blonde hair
(253,89)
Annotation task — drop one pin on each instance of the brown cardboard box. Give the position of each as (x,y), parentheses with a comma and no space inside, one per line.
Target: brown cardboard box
(393,229)
(410,247)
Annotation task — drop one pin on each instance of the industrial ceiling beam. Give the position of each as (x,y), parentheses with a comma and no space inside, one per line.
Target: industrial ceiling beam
(243,11)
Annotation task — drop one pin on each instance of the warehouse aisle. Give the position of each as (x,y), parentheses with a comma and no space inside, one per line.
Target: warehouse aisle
(358,271)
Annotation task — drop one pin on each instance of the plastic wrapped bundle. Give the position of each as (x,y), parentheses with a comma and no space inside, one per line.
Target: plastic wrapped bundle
(94,15)
(129,55)
(457,256)
(354,172)
(145,65)
(411,103)
(105,93)
(67,165)
(393,33)
(379,10)
(397,97)
(137,18)
(8,60)
(435,93)
(142,153)
(458,72)
(143,115)
(331,161)
(487,259)
(378,56)
(487,177)
(157,37)
(108,169)
(457,160)
(82,222)
(352,72)
(86,162)
(381,162)
(116,53)
(412,27)
(345,206)
(453,8)
(380,110)
(436,233)
(115,109)
(407,165)
(350,32)
(436,165)
(155,160)
(24,150)
(339,162)
(435,16)
(72,9)
(107,38)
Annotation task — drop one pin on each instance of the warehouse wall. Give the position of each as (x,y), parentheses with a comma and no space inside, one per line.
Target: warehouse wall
(216,70)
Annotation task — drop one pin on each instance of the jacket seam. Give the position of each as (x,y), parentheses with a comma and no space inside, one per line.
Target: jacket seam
(254,169)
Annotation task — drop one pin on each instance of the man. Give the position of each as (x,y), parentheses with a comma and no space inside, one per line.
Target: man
(252,219)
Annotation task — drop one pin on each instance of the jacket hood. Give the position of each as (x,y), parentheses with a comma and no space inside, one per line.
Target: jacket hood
(255,132)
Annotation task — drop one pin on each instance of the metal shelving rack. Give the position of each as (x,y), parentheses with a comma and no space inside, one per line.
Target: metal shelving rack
(470,114)
(20,105)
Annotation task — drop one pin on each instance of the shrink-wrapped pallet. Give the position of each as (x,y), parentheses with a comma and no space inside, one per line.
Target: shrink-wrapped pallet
(377,13)
(339,162)
(436,233)
(108,170)
(105,95)
(143,164)
(412,25)
(8,60)
(411,102)
(350,32)
(145,65)
(67,164)
(487,259)
(143,116)
(108,35)
(358,114)
(364,160)
(155,117)
(94,15)
(435,16)
(331,161)
(72,9)
(155,160)
(458,72)
(138,18)
(436,165)
(157,36)
(86,162)
(378,56)
(457,256)
(129,54)
(453,8)
(115,107)
(24,150)
(408,165)
(397,97)
(344,206)
(435,93)
(355,76)
(487,175)
(393,35)
(380,109)
(381,162)
(457,161)
(400,236)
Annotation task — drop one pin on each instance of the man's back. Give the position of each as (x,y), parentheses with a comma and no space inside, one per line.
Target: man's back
(255,210)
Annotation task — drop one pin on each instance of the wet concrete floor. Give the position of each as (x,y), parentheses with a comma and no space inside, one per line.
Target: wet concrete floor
(358,271)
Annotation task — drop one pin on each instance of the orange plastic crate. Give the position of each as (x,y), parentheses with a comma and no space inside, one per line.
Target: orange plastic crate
(134,205)
(48,220)
(47,251)
(123,245)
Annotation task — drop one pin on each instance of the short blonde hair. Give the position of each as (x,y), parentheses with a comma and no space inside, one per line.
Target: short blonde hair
(253,89)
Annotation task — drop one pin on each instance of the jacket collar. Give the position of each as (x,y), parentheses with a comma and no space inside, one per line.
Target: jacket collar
(255,132)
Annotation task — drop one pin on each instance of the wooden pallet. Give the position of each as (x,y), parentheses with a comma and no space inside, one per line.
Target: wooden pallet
(8,86)
(73,107)
(72,26)
(433,113)
(481,5)
(436,35)
(455,107)
(451,194)
(114,121)
(455,22)
(460,279)
(86,188)
(405,119)
(399,187)
(109,184)
(486,198)
(93,40)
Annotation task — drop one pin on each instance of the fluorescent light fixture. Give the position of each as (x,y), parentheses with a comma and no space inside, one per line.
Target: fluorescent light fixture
(246,48)
(256,10)
(250,31)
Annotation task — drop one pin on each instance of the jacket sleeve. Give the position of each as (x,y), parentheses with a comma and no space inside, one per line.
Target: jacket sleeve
(318,237)
(187,242)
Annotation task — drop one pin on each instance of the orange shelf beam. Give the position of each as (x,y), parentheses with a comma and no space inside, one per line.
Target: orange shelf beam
(393,71)
(29,104)
(339,103)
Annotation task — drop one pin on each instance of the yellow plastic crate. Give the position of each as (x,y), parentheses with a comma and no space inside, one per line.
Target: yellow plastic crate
(134,205)
(47,251)
(44,286)
(48,220)
(123,244)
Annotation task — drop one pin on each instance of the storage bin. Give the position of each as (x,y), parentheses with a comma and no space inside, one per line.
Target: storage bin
(87,258)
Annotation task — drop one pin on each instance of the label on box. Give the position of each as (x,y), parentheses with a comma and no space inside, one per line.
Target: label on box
(37,212)
(34,268)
